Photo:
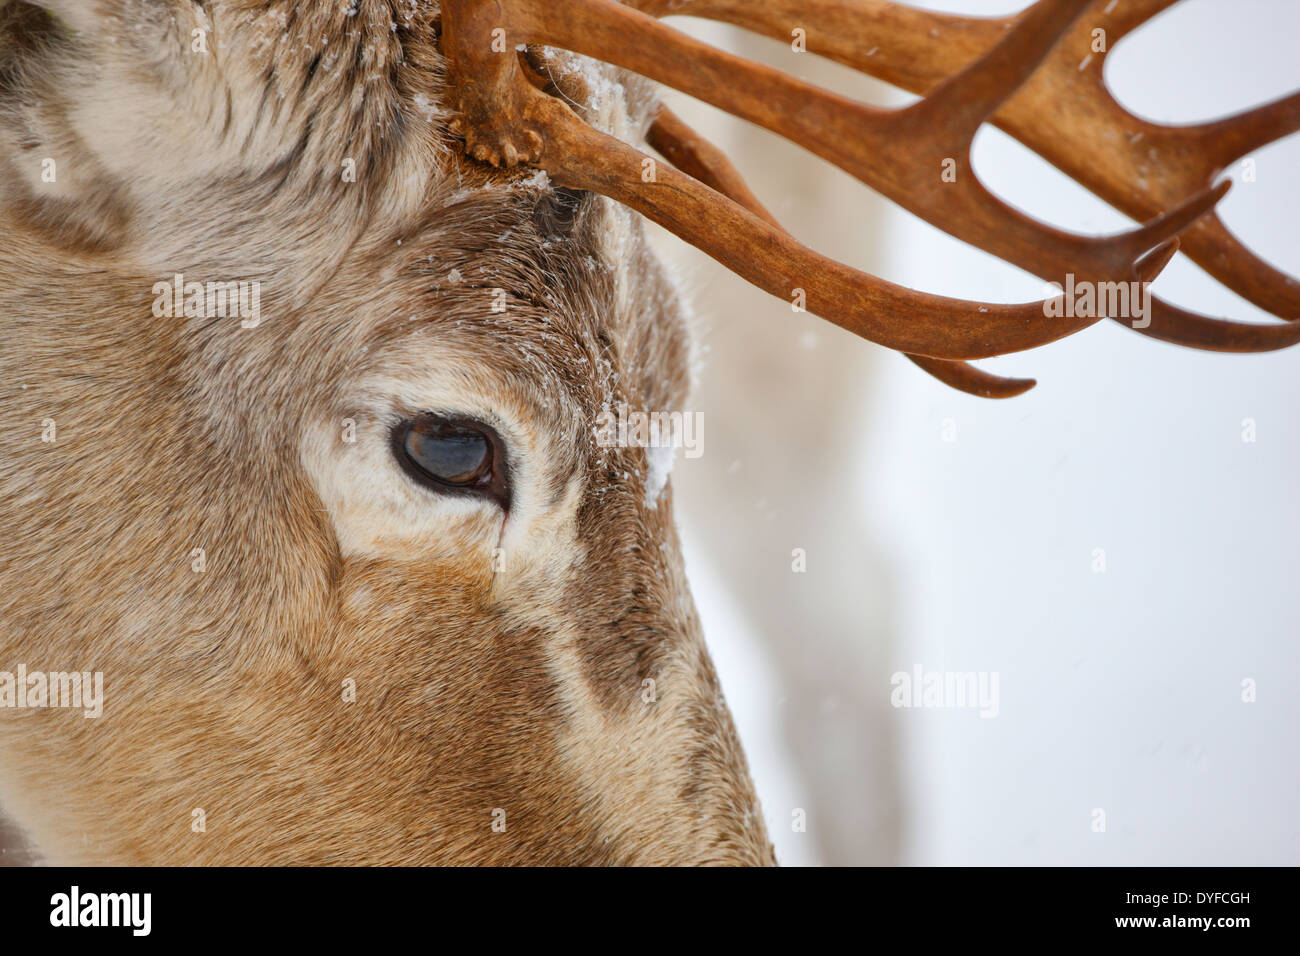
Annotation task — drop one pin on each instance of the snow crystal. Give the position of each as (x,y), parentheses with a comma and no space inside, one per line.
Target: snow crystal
(425,106)
(659,465)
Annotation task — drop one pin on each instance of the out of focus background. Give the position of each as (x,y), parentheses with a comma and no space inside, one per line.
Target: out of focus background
(1120,546)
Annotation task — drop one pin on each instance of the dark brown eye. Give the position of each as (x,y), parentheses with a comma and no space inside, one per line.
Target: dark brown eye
(457,456)
(452,456)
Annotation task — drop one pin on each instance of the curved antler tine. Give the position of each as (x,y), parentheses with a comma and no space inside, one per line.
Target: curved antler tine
(580,157)
(963,101)
(1222,255)
(1209,243)
(696,156)
(1141,168)
(971,380)
(1154,262)
(1171,323)
(1227,140)
(1175,221)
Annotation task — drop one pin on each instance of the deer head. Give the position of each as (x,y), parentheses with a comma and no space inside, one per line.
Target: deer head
(363,581)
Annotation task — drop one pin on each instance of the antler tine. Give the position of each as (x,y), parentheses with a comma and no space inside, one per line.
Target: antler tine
(580,157)
(699,158)
(899,153)
(1141,168)
(694,155)
(973,381)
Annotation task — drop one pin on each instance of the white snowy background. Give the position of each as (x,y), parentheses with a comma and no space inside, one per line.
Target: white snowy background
(1120,690)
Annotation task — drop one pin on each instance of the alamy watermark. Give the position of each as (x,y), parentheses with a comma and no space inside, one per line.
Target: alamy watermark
(77,908)
(209,300)
(624,428)
(72,689)
(945,689)
(1115,300)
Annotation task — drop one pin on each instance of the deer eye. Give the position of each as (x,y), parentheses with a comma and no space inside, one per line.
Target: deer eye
(453,456)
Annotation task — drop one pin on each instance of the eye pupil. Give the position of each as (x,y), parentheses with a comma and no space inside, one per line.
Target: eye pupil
(449,453)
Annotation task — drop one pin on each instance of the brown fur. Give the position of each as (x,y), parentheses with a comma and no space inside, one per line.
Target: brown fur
(519,688)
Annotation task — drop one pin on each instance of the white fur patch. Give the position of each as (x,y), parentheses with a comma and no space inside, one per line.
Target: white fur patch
(378,511)
(659,465)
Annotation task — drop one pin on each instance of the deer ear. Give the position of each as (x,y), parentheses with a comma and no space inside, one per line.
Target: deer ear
(25,30)
(106,17)
(51,182)
(67,15)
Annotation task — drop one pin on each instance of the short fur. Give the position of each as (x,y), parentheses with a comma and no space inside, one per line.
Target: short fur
(516,680)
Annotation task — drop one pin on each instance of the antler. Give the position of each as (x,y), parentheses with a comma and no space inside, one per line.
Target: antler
(697,157)
(1141,168)
(506,117)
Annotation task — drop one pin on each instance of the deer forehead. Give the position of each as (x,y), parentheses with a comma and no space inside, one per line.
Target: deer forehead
(389,258)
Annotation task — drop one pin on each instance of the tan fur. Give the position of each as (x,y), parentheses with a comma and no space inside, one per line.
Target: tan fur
(518,687)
